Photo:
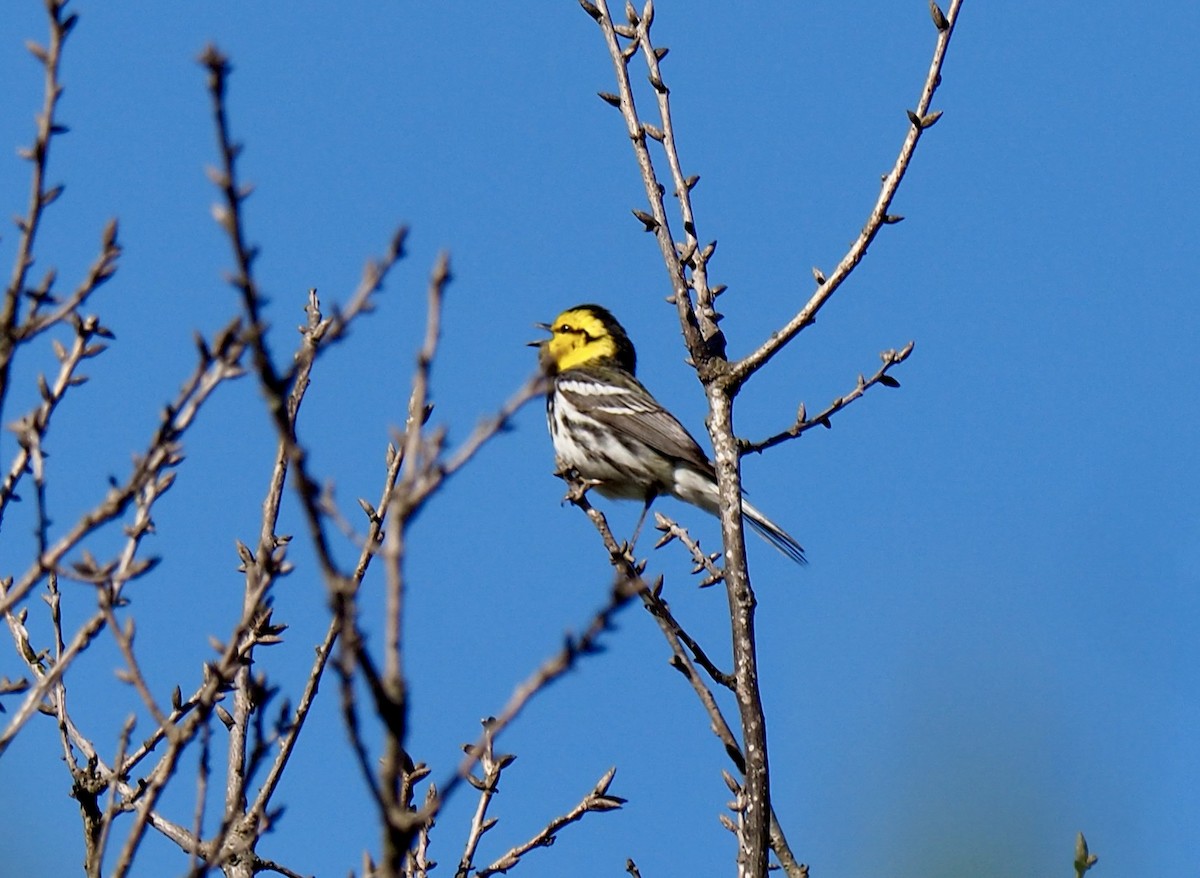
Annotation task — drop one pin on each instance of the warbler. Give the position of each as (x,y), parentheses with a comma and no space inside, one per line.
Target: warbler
(611,431)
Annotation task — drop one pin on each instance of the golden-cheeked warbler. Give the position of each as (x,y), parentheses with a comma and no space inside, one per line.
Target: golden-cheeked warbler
(609,430)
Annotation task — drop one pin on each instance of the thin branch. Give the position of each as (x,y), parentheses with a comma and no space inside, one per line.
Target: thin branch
(656,221)
(598,799)
(325,648)
(551,670)
(31,428)
(219,675)
(486,430)
(48,677)
(333,328)
(229,216)
(162,454)
(95,859)
(203,772)
(350,654)
(920,119)
(132,674)
(145,807)
(262,567)
(694,256)
(687,654)
(672,530)
(492,766)
(418,864)
(264,865)
(40,197)
(99,272)
(685,661)
(754,837)
(804,423)
(128,794)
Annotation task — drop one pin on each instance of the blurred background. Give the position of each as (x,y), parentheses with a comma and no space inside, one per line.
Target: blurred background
(994,645)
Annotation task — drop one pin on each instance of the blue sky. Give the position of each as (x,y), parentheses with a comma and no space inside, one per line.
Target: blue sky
(994,645)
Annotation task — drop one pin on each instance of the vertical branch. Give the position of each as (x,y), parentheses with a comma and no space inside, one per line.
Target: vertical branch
(753,839)
(392,700)
(656,221)
(488,786)
(229,215)
(691,254)
(39,197)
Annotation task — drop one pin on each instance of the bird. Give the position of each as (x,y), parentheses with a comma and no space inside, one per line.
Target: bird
(609,429)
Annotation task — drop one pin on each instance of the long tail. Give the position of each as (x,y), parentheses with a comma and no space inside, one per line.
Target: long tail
(700,489)
(773,533)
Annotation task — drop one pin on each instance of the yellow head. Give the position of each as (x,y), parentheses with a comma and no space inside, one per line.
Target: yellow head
(585,335)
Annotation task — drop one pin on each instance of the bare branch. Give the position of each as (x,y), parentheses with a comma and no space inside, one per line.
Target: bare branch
(492,766)
(31,429)
(672,530)
(919,120)
(552,669)
(49,676)
(804,423)
(695,334)
(162,454)
(100,271)
(687,654)
(598,799)
(40,196)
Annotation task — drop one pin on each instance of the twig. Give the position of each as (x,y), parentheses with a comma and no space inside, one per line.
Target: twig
(229,216)
(597,799)
(264,865)
(656,221)
(418,864)
(333,328)
(804,423)
(203,772)
(919,120)
(492,766)
(48,678)
(552,669)
(273,385)
(325,648)
(40,197)
(694,256)
(350,657)
(218,364)
(486,430)
(128,794)
(31,428)
(145,807)
(99,272)
(132,674)
(671,530)
(95,858)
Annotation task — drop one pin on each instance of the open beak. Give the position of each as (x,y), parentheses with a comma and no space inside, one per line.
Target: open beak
(538,344)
